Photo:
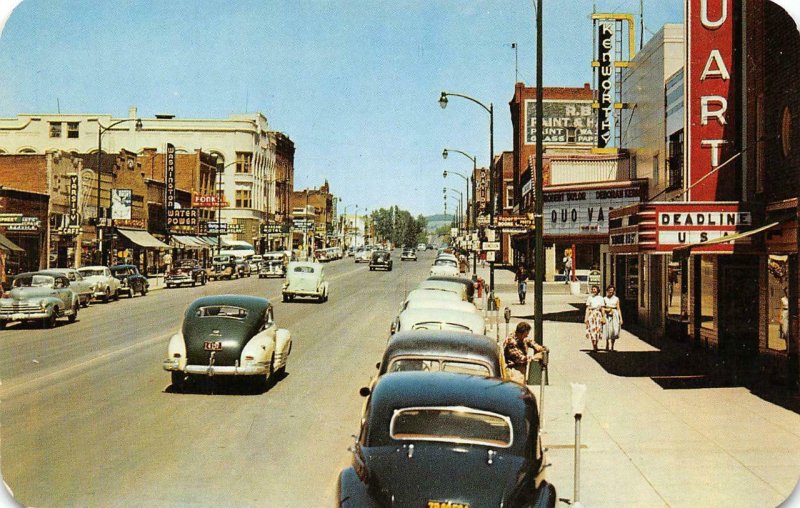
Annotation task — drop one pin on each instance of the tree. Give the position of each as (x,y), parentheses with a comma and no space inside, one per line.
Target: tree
(399,226)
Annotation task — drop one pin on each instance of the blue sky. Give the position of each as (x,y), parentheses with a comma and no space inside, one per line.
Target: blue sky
(354,83)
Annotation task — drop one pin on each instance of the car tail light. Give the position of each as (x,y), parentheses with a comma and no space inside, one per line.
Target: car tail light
(248,357)
(176,355)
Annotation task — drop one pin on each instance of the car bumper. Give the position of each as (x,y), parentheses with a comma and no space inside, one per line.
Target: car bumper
(178,280)
(301,293)
(22,316)
(255,369)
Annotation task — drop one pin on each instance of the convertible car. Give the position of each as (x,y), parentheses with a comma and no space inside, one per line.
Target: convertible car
(445,440)
(228,335)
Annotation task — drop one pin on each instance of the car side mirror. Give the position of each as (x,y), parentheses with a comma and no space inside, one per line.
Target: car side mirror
(364,391)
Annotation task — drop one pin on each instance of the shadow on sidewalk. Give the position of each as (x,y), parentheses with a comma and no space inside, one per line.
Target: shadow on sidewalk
(568,316)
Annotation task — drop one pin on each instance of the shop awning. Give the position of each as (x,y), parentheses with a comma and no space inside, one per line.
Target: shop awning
(188,242)
(143,238)
(683,252)
(211,241)
(8,245)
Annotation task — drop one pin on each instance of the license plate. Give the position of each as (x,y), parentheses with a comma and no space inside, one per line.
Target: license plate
(212,345)
(446,504)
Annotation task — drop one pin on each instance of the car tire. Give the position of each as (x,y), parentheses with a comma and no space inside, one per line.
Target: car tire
(107,295)
(50,321)
(74,316)
(144,289)
(85,302)
(285,298)
(203,279)
(178,379)
(3,324)
(131,292)
(116,295)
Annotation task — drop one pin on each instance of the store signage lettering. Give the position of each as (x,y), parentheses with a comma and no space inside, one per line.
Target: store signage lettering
(563,121)
(169,179)
(183,217)
(584,212)
(605,48)
(208,201)
(73,200)
(690,237)
(705,219)
(711,95)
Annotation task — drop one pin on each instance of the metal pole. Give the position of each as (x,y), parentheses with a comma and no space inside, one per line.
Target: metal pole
(474,215)
(219,210)
(538,196)
(491,195)
(98,230)
(577,487)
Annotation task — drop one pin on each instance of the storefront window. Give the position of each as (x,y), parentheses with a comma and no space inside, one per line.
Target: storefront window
(778,303)
(677,297)
(707,295)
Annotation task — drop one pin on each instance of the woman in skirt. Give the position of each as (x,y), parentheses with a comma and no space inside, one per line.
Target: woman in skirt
(594,318)
(613,315)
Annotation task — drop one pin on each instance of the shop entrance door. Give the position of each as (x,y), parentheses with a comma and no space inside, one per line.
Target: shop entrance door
(739,312)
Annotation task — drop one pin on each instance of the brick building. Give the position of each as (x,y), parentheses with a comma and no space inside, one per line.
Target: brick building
(317,208)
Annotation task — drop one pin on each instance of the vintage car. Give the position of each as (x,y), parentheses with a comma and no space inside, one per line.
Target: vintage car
(440,439)
(443,350)
(362,255)
(243,267)
(255,262)
(432,299)
(83,288)
(131,280)
(41,296)
(305,279)
(186,271)
(273,264)
(444,266)
(228,335)
(444,285)
(469,286)
(222,267)
(441,319)
(380,259)
(106,286)
(421,247)
(408,254)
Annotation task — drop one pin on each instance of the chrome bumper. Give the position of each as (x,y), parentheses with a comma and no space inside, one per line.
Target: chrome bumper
(22,316)
(257,369)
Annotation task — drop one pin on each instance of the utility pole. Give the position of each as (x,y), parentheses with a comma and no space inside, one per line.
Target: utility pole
(538,190)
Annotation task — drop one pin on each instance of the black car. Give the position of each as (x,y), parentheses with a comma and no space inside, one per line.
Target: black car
(243,267)
(186,271)
(443,439)
(130,279)
(380,259)
(468,284)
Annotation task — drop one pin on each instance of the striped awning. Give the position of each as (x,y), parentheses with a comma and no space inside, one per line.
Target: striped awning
(188,242)
(142,238)
(8,245)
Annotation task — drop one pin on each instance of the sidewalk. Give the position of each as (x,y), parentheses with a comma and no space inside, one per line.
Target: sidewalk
(655,432)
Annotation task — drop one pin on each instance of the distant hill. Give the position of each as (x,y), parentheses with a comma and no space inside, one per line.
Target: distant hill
(434,222)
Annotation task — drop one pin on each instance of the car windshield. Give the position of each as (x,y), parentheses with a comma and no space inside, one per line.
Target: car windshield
(452,425)
(186,264)
(221,259)
(445,262)
(222,311)
(303,269)
(89,272)
(433,365)
(122,271)
(34,281)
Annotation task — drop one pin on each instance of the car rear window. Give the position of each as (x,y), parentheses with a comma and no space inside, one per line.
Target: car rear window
(451,424)
(438,325)
(303,269)
(445,262)
(433,365)
(223,311)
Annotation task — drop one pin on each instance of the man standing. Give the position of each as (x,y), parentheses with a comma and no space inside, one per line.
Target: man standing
(516,350)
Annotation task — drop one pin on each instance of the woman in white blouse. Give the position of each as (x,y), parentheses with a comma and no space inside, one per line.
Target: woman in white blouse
(613,315)
(594,318)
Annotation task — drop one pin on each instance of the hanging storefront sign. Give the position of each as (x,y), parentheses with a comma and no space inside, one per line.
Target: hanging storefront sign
(208,201)
(169,178)
(74,217)
(583,211)
(121,203)
(605,83)
(711,82)
(183,219)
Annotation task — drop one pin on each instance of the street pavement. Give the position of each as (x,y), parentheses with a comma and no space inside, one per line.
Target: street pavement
(653,432)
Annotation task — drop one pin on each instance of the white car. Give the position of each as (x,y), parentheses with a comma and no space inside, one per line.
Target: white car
(432,299)
(83,288)
(441,319)
(305,279)
(454,287)
(445,267)
(104,285)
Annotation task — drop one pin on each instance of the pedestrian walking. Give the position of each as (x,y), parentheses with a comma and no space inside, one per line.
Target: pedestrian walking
(567,267)
(516,348)
(613,316)
(594,318)
(521,278)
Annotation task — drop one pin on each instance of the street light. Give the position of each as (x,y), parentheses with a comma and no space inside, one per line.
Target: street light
(489,109)
(474,213)
(218,176)
(100,131)
(460,210)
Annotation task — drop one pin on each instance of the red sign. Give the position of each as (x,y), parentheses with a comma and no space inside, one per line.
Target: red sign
(711,99)
(683,224)
(209,201)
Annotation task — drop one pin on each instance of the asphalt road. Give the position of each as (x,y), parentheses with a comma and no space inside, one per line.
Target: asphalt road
(87,417)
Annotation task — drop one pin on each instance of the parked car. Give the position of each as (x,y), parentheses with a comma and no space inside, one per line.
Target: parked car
(443,439)
(441,319)
(228,335)
(273,265)
(443,350)
(432,299)
(106,286)
(41,296)
(408,254)
(186,271)
(445,285)
(305,279)
(469,286)
(381,259)
(83,288)
(222,267)
(362,255)
(131,281)
(444,266)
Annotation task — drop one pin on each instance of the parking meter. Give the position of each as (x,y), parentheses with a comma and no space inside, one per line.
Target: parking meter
(507,317)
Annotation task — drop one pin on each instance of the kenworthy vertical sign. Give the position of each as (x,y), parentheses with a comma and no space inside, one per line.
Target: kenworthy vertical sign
(711,86)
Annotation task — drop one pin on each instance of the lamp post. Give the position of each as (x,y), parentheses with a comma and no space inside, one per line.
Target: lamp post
(460,209)
(489,109)
(474,214)
(100,131)
(218,177)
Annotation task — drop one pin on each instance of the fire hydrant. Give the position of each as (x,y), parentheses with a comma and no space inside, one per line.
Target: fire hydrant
(479,287)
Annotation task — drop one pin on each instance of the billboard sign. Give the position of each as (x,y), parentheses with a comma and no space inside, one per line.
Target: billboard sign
(563,122)
(711,97)
(121,203)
